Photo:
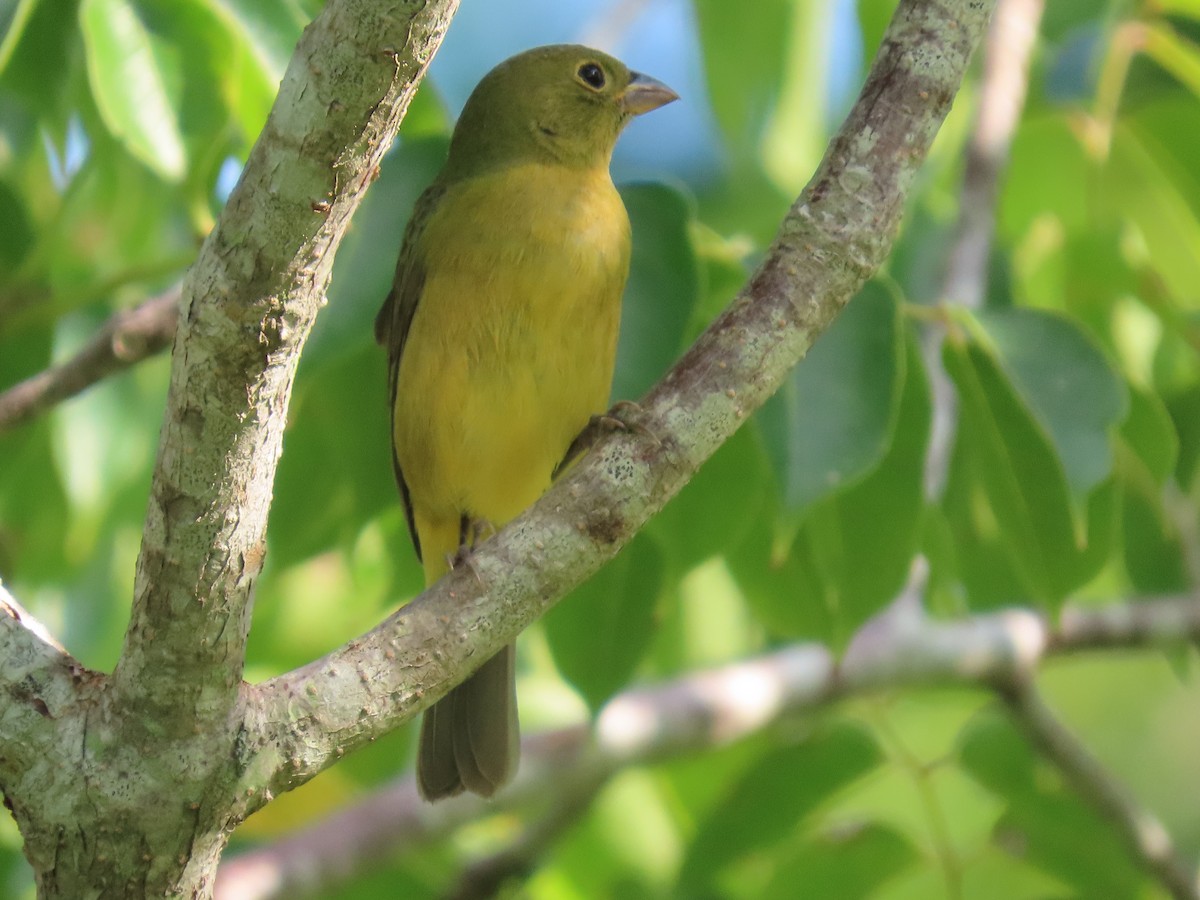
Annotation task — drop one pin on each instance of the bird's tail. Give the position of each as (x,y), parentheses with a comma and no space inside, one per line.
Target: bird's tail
(469,738)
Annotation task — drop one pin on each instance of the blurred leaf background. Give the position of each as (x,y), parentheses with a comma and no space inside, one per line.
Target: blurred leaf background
(1073,476)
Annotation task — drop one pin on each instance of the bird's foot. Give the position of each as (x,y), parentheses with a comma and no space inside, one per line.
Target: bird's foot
(623,416)
(471,532)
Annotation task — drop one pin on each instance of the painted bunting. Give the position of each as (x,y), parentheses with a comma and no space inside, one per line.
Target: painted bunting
(501,331)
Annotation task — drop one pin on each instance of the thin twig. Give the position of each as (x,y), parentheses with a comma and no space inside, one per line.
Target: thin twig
(127,338)
(1143,834)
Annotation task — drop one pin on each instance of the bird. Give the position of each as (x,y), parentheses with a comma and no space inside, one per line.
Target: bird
(501,333)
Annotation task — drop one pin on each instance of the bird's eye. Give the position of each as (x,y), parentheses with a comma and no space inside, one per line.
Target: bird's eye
(591,75)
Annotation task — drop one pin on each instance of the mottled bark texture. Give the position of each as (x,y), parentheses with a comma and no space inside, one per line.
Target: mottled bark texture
(126,786)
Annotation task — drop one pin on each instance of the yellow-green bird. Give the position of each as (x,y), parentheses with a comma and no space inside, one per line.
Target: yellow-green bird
(501,330)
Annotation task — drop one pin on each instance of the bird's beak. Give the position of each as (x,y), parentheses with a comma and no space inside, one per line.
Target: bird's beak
(644,94)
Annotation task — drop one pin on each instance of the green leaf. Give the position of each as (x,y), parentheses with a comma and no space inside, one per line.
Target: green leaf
(1155,560)
(1008,484)
(268,28)
(34,510)
(873,19)
(14,16)
(1154,555)
(336,470)
(763,809)
(130,85)
(991,751)
(715,509)
(1043,823)
(848,864)
(1047,179)
(259,38)
(1142,184)
(1189,8)
(1184,407)
(663,287)
(16,231)
(877,519)
(1149,433)
(832,420)
(41,63)
(797,133)
(1066,384)
(1174,53)
(785,590)
(599,633)
(743,62)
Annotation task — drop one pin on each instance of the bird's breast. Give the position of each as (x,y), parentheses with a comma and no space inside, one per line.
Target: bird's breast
(513,342)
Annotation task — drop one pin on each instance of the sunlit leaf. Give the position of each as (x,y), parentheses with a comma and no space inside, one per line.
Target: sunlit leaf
(259,40)
(848,865)
(1174,53)
(1046,184)
(14,15)
(743,60)
(1141,186)
(131,86)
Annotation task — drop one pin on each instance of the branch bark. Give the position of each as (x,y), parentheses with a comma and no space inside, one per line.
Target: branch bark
(127,338)
(705,710)
(91,809)
(836,234)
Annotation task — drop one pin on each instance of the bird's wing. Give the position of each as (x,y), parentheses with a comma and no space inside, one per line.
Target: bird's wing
(396,315)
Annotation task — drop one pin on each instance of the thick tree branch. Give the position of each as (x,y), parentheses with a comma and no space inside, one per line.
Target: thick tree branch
(247,307)
(90,808)
(127,338)
(835,235)
(704,710)
(38,681)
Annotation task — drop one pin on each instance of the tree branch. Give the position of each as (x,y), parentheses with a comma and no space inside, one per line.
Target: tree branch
(127,338)
(709,709)
(90,807)
(39,681)
(248,304)
(836,234)
(1142,833)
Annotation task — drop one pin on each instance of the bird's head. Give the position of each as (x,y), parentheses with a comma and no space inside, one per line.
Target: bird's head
(563,103)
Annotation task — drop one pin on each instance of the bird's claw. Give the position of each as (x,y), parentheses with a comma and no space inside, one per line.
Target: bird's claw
(623,416)
(471,532)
